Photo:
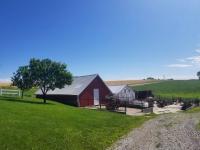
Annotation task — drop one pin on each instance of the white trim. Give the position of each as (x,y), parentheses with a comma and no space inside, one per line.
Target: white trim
(78,101)
(96,96)
(10,92)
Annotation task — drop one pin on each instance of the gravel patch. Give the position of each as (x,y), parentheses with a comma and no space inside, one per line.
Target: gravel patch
(167,132)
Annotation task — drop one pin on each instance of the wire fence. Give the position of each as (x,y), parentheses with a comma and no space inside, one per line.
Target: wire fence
(121,105)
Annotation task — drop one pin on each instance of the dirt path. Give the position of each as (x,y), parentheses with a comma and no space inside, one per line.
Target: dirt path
(166,132)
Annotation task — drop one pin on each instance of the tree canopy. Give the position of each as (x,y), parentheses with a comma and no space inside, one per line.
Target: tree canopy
(150,78)
(198,74)
(44,74)
(22,79)
(48,75)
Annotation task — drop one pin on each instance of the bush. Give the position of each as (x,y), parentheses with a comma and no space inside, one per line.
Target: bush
(164,101)
(112,104)
(196,102)
(186,104)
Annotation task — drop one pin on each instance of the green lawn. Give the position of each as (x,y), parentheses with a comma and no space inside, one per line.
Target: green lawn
(185,89)
(30,124)
(195,110)
(30,93)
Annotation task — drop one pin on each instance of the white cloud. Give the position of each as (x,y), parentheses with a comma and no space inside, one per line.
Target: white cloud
(187,62)
(179,65)
(181,77)
(194,59)
(181,60)
(197,50)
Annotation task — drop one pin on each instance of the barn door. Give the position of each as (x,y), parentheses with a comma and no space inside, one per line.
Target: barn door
(96,96)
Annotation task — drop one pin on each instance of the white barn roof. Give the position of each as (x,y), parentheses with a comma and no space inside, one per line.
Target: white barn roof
(76,88)
(116,89)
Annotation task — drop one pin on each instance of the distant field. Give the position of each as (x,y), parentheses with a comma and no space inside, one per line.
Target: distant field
(4,84)
(131,82)
(185,89)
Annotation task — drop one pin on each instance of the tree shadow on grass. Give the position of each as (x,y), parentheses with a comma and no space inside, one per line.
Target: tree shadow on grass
(14,99)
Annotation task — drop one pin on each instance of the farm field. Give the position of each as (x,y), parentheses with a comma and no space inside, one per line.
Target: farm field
(30,124)
(5,85)
(179,88)
(131,82)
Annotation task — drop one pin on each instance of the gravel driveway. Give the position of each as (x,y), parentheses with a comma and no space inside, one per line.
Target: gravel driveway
(166,132)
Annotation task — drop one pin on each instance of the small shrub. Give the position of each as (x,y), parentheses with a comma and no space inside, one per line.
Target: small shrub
(112,104)
(186,104)
(196,102)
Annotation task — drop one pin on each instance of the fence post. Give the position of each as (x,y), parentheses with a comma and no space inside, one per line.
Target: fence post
(125,107)
(19,93)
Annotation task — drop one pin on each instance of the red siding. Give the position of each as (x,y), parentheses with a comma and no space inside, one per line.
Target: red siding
(86,98)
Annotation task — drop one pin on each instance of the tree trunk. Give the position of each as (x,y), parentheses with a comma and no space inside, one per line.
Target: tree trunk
(44,98)
(22,96)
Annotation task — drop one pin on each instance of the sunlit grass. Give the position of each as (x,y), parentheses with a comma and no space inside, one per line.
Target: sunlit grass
(184,89)
(30,124)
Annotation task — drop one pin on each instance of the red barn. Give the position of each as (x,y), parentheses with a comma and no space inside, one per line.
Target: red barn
(84,91)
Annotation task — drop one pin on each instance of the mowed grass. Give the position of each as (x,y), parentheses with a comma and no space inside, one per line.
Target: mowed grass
(30,124)
(184,89)
(194,110)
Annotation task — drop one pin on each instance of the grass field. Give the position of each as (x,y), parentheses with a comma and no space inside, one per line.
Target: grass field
(30,124)
(195,110)
(185,89)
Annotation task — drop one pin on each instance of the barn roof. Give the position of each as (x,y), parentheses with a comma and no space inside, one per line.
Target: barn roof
(76,88)
(116,89)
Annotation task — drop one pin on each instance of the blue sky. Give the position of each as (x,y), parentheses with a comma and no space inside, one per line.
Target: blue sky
(119,39)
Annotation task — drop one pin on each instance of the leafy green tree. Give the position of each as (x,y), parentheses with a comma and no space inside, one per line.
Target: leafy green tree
(150,78)
(198,74)
(48,75)
(22,79)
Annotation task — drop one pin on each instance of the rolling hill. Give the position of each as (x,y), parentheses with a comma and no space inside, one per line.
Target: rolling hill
(179,88)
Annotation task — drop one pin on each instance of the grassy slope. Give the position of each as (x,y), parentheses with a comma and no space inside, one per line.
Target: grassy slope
(29,124)
(186,89)
(30,93)
(194,110)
